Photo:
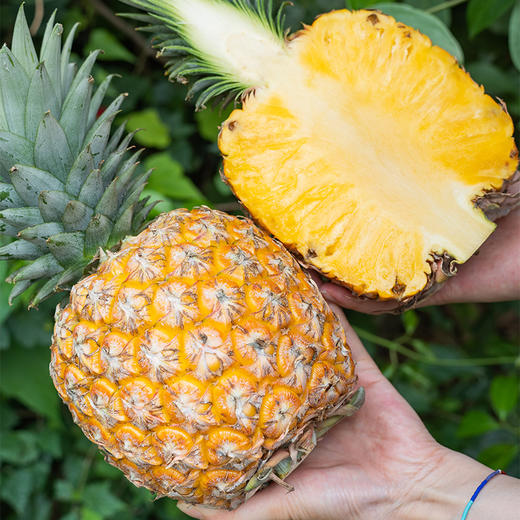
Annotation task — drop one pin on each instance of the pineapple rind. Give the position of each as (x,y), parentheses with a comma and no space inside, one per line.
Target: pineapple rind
(196,352)
(68,188)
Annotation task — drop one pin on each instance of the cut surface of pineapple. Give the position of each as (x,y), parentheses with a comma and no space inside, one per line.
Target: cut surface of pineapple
(366,153)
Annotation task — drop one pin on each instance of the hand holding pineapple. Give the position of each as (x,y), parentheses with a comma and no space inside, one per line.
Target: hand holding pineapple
(379,464)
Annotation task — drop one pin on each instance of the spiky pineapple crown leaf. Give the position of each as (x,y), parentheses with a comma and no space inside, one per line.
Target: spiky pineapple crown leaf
(166,20)
(67,186)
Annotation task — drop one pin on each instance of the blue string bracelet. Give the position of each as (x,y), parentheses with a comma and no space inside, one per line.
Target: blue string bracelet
(478,490)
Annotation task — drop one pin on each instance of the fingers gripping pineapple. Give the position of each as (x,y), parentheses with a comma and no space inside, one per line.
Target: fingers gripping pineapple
(385,162)
(197,354)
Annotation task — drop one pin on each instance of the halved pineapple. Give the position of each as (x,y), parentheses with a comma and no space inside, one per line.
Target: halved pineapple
(360,145)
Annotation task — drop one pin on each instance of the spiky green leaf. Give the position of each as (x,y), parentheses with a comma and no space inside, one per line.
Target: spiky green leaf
(52,204)
(51,150)
(76,216)
(122,227)
(18,289)
(97,234)
(41,98)
(14,84)
(67,248)
(52,145)
(51,56)
(13,149)
(92,190)
(20,249)
(30,181)
(97,99)
(74,115)
(80,170)
(44,267)
(23,46)
(8,197)
(41,232)
(21,218)
(66,76)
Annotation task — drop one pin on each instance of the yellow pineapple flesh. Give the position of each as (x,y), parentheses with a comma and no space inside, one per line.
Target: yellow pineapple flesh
(196,353)
(374,145)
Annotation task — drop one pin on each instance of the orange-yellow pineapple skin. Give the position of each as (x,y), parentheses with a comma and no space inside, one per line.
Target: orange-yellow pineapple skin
(366,156)
(197,351)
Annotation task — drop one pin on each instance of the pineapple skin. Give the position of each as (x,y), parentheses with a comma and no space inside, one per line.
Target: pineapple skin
(198,352)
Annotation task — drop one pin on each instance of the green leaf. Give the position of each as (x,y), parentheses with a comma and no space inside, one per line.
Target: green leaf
(168,178)
(503,394)
(476,422)
(360,4)
(113,49)
(101,500)
(514,35)
(410,321)
(14,84)
(154,133)
(30,181)
(50,54)
(88,514)
(23,46)
(422,347)
(67,248)
(5,289)
(74,114)
(427,23)
(19,447)
(63,490)
(71,515)
(482,13)
(162,203)
(24,375)
(431,6)
(495,80)
(17,487)
(40,99)
(51,149)
(221,186)
(13,149)
(499,455)
(49,441)
(209,121)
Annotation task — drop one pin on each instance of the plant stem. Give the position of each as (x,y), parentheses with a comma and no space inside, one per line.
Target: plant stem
(444,5)
(127,30)
(461,362)
(39,9)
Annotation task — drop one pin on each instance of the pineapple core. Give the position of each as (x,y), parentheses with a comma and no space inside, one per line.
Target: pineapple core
(365,152)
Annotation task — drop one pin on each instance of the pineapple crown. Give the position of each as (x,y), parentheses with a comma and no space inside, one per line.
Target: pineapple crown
(191,35)
(67,186)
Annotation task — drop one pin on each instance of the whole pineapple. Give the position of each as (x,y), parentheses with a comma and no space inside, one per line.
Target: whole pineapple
(382,158)
(197,355)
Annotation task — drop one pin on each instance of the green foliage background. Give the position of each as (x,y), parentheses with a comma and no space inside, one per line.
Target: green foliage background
(457,365)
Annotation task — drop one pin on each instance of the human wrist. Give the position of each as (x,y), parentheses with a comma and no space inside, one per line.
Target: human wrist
(445,490)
